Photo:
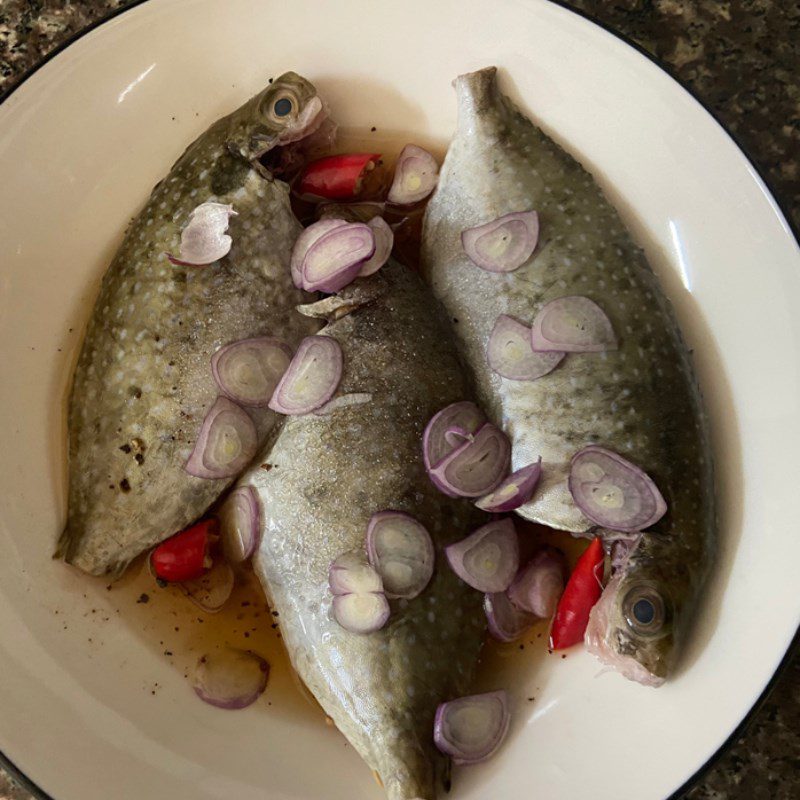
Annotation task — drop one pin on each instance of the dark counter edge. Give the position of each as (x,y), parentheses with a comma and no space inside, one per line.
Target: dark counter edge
(794,646)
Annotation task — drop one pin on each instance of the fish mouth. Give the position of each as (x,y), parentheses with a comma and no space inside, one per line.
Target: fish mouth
(310,135)
(307,122)
(597,640)
(600,632)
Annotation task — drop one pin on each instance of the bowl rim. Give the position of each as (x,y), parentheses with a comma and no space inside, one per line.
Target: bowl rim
(782,206)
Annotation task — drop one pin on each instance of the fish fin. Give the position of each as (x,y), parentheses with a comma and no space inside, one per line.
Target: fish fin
(64,545)
(355,296)
(479,80)
(552,504)
(479,98)
(477,91)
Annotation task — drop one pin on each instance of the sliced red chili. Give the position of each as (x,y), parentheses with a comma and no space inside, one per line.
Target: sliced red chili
(583,590)
(337,177)
(184,556)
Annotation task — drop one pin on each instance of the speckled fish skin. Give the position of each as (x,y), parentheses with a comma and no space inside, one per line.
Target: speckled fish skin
(327,475)
(143,382)
(641,400)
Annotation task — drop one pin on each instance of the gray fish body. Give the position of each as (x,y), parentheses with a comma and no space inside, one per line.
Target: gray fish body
(143,381)
(641,400)
(321,482)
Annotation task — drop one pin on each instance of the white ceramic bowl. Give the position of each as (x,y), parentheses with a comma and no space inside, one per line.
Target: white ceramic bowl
(81,144)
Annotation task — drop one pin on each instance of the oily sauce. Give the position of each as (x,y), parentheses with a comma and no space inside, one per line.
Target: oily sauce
(165,620)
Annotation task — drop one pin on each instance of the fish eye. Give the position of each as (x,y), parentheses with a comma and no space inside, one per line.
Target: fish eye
(282,107)
(644,610)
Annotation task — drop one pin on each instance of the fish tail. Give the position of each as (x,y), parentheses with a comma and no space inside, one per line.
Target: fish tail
(407,773)
(477,92)
(68,548)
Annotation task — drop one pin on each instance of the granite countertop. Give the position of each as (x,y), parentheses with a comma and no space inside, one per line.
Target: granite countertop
(742,59)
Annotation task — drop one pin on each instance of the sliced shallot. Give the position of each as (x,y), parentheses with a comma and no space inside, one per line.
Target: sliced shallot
(384,241)
(359,603)
(514,491)
(400,549)
(304,241)
(572,325)
(415,176)
(239,520)
(471,729)
(435,442)
(230,678)
(361,613)
(335,259)
(226,443)
(350,573)
(506,622)
(248,371)
(540,583)
(312,377)
(211,590)
(488,559)
(612,492)
(505,243)
(204,239)
(510,354)
(455,436)
(476,467)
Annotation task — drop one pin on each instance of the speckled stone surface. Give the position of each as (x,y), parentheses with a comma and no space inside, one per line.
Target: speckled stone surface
(742,59)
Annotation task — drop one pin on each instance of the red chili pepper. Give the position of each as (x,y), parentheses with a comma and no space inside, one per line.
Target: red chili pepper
(336,177)
(183,557)
(583,590)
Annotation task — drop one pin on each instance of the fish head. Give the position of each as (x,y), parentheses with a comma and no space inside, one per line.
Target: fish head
(288,110)
(632,627)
